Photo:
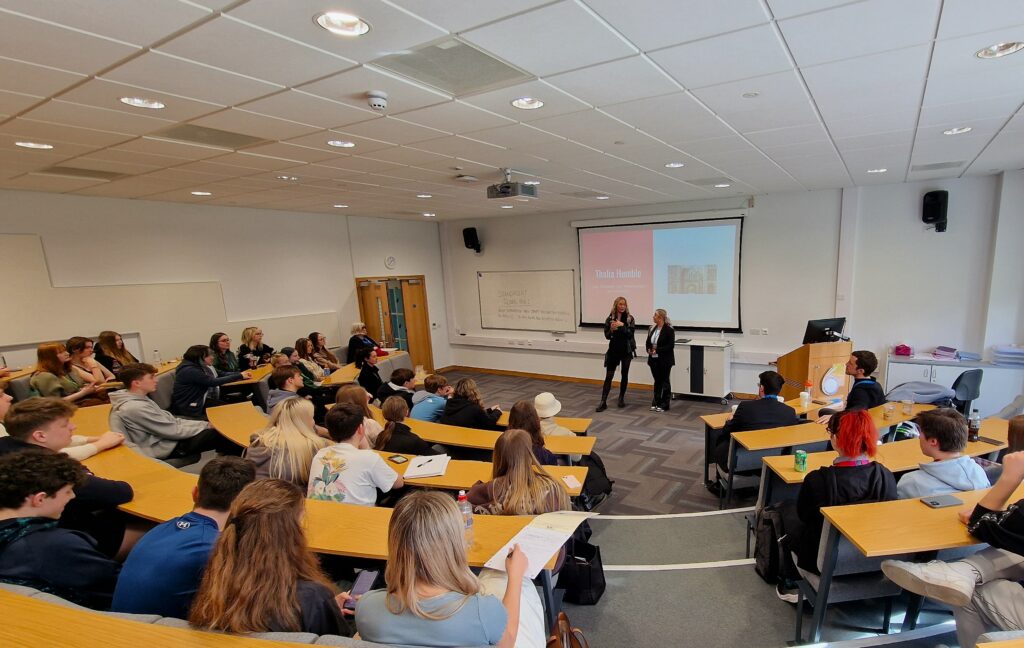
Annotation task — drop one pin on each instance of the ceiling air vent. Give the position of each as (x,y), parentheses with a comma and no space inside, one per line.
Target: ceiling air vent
(455,67)
(938,166)
(76,172)
(208,137)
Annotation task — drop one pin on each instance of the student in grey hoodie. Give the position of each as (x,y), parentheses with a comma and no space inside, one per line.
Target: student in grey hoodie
(288,380)
(156,432)
(943,438)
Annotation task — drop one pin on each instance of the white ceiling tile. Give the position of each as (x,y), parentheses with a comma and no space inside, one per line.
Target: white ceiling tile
(875,141)
(789,8)
(97,164)
(19,76)
(393,130)
(170,148)
(140,23)
(1005,152)
(236,120)
(46,182)
(250,160)
(872,124)
(189,79)
(363,164)
(130,187)
(652,24)
(932,151)
(319,141)
(615,82)
(980,129)
(516,136)
(455,117)
(673,118)
(893,159)
(818,170)
(391,30)
(15,102)
(254,52)
(100,93)
(740,55)
(791,135)
(977,86)
(500,101)
(132,157)
(562,36)
(291,152)
(406,155)
(590,127)
(351,86)
(61,150)
(33,41)
(775,91)
(458,15)
(799,150)
(309,109)
(962,111)
(765,176)
(961,17)
(72,114)
(957,55)
(45,132)
(859,28)
(728,159)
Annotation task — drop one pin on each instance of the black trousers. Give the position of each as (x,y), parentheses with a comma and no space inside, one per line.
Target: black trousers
(610,373)
(208,439)
(662,387)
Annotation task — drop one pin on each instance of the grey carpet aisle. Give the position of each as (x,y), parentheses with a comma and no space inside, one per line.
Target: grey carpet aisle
(667,541)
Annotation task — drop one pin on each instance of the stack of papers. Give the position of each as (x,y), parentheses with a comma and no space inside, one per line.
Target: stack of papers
(540,540)
(427,466)
(944,353)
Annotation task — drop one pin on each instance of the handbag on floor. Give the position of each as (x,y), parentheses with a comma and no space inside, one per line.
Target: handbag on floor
(563,635)
(582,574)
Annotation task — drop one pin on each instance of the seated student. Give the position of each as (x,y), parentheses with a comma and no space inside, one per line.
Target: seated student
(84,363)
(465,408)
(81,447)
(428,404)
(432,597)
(356,395)
(764,413)
(402,383)
(280,359)
(943,438)
(984,589)
(45,424)
(162,573)
(252,585)
(5,404)
(34,552)
(349,471)
(224,359)
(252,352)
(287,382)
(110,352)
(286,447)
(523,416)
(156,432)
(397,437)
(548,407)
(304,349)
(54,376)
(196,383)
(359,340)
(865,392)
(321,354)
(369,374)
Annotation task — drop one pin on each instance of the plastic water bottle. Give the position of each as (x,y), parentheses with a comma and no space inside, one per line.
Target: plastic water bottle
(156,358)
(467,516)
(974,426)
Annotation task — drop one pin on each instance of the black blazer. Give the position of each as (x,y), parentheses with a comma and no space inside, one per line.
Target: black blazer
(666,347)
(761,414)
(621,343)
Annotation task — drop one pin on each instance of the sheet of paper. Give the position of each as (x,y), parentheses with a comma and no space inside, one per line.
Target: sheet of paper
(427,466)
(571,481)
(540,540)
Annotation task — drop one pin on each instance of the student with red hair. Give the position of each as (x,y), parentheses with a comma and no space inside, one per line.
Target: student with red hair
(853,478)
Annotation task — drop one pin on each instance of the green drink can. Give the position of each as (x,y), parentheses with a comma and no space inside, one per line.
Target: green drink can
(800,461)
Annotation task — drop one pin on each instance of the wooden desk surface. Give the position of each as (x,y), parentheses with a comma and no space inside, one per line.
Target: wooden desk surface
(348,373)
(1009,643)
(898,457)
(31,622)
(163,492)
(92,421)
(485,439)
(161,368)
(905,526)
(577,425)
(718,421)
(258,374)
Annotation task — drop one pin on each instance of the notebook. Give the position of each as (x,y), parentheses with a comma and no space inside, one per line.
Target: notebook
(427,466)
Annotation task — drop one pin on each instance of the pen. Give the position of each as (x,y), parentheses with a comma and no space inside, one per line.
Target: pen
(427,461)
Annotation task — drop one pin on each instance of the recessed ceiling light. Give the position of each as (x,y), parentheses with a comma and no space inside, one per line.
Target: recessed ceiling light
(750,95)
(341,206)
(429,214)
(342,24)
(507,206)
(287,178)
(34,145)
(674,165)
(532,183)
(959,130)
(142,102)
(201,193)
(1000,49)
(877,170)
(341,143)
(602,197)
(722,185)
(424,195)
(527,103)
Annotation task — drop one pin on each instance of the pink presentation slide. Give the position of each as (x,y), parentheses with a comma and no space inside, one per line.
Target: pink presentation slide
(613,264)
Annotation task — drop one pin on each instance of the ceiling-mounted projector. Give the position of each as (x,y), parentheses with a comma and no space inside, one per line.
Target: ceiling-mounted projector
(509,189)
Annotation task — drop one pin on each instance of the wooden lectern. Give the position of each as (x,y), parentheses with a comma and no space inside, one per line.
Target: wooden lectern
(813,362)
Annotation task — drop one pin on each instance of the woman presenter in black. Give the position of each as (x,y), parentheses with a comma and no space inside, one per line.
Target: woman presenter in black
(661,355)
(618,330)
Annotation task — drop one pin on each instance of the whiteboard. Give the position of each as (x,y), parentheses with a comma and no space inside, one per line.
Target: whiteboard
(528,300)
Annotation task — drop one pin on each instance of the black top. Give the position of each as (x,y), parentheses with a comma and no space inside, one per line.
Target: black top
(1001,529)
(386,390)
(865,394)
(109,362)
(404,441)
(760,414)
(252,358)
(318,612)
(369,378)
(833,486)
(191,384)
(666,347)
(357,342)
(465,413)
(621,343)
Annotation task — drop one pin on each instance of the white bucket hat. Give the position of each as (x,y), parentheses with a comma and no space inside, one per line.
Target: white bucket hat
(547,405)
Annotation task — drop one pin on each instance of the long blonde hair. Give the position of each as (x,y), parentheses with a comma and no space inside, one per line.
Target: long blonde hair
(426,546)
(247,334)
(108,345)
(290,439)
(395,409)
(521,485)
(466,388)
(251,579)
(615,308)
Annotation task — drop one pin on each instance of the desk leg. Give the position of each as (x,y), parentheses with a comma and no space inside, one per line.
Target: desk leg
(913,611)
(707,453)
(821,600)
(550,606)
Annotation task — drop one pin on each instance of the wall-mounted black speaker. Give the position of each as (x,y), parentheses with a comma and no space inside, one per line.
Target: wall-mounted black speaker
(933,209)
(472,241)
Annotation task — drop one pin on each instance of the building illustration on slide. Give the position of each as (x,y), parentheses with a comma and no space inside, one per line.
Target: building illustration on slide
(693,279)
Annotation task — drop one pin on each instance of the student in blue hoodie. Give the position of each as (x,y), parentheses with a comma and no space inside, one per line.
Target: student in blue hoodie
(943,439)
(428,405)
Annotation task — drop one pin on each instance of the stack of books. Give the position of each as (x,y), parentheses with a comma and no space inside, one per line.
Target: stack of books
(944,353)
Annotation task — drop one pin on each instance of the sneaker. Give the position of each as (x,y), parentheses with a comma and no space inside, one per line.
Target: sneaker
(658,409)
(936,579)
(654,408)
(789,596)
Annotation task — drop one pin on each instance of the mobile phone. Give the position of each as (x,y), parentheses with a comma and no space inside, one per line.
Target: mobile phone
(990,440)
(364,582)
(398,459)
(942,501)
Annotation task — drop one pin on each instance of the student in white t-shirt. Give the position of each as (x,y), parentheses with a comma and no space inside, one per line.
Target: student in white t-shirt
(349,471)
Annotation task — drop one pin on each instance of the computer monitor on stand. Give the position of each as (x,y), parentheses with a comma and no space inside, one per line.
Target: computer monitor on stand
(824,330)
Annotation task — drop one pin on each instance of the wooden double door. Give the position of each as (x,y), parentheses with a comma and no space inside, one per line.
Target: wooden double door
(395,312)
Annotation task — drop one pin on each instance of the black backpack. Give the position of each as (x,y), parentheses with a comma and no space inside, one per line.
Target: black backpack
(771,561)
(597,486)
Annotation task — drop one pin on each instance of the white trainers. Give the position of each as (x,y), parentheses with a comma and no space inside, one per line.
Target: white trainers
(950,583)
(789,596)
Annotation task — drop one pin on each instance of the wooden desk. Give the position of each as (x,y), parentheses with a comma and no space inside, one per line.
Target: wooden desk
(1009,643)
(258,374)
(718,421)
(485,439)
(92,421)
(576,425)
(237,421)
(31,622)
(349,373)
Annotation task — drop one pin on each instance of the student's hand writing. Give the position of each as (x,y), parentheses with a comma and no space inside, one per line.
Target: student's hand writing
(516,563)
(108,440)
(340,600)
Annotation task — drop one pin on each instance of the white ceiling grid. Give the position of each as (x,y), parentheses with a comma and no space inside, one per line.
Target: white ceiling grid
(834,88)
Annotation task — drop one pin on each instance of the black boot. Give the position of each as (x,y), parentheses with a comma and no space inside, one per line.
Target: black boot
(622,401)
(602,407)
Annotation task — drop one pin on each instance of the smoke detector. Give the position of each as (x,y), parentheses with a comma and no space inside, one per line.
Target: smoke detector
(378,100)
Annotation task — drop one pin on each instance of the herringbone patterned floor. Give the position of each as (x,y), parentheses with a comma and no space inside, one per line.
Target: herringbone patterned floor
(655,459)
